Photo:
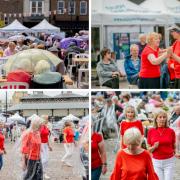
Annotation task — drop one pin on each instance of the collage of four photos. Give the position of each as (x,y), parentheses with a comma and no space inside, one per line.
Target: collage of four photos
(89,89)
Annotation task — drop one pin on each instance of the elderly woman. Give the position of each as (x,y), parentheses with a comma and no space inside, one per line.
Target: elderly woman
(10,50)
(132,65)
(98,156)
(175,50)
(107,70)
(133,162)
(44,76)
(162,144)
(31,150)
(150,63)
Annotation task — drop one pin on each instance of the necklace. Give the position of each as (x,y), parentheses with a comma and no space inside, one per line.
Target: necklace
(161,132)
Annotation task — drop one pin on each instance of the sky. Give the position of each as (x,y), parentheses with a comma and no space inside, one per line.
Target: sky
(49,93)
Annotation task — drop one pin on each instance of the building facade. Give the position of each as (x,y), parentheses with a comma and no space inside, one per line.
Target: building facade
(70,14)
(57,107)
(10,10)
(35,11)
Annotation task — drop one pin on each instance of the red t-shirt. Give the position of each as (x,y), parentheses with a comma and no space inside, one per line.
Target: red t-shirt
(166,139)
(133,167)
(69,134)
(1,142)
(31,145)
(171,70)
(176,50)
(44,131)
(149,70)
(126,125)
(95,155)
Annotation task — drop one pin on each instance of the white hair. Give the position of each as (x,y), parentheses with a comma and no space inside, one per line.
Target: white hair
(134,46)
(114,98)
(41,67)
(132,136)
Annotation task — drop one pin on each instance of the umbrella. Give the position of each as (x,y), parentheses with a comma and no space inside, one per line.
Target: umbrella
(84,120)
(16,118)
(16,38)
(64,44)
(83,37)
(34,55)
(70,117)
(34,116)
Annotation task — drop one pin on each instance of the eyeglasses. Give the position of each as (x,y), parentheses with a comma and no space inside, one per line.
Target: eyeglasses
(108,52)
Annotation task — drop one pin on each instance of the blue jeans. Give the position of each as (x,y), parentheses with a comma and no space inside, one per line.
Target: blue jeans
(1,161)
(96,173)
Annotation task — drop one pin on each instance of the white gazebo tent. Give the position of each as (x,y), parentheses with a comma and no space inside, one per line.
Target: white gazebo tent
(121,13)
(170,9)
(45,26)
(15,118)
(15,26)
(70,117)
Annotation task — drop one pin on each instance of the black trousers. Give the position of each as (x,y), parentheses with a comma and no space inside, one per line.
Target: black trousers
(149,83)
(177,84)
(112,83)
(34,170)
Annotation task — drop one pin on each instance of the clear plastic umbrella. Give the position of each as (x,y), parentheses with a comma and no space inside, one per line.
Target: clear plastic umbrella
(34,55)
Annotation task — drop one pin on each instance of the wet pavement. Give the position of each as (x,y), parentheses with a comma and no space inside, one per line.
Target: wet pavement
(56,170)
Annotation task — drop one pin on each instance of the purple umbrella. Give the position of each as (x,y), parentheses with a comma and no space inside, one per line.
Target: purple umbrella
(64,44)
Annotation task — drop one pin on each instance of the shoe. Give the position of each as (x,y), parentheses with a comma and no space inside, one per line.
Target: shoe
(46,176)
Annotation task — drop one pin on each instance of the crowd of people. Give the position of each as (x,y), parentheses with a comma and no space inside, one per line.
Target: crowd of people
(41,73)
(35,141)
(149,65)
(147,128)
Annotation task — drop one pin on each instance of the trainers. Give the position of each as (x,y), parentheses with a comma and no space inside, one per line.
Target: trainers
(46,176)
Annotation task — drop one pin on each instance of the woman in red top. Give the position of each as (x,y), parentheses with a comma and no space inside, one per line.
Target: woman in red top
(175,32)
(161,141)
(2,149)
(133,162)
(31,149)
(150,63)
(129,122)
(68,143)
(45,145)
(98,156)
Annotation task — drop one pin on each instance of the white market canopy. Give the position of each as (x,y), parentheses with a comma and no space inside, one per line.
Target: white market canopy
(170,8)
(45,26)
(15,26)
(70,117)
(123,12)
(16,117)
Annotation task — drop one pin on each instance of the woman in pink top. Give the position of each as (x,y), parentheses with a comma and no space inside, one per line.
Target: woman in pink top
(10,50)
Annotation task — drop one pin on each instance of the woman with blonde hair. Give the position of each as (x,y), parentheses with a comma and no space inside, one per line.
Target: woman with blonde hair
(133,162)
(129,122)
(150,63)
(31,150)
(162,144)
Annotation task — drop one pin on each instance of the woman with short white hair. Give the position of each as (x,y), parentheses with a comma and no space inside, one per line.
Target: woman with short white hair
(43,74)
(133,162)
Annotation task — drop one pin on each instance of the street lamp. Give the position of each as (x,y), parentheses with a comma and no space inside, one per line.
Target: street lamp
(71,11)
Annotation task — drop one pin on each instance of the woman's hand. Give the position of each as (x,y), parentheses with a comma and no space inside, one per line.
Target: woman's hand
(104,169)
(156,144)
(24,167)
(50,148)
(177,155)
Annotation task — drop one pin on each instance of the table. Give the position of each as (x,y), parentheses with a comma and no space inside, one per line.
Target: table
(79,61)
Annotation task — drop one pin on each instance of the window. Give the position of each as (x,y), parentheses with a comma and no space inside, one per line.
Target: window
(71,7)
(36,7)
(83,8)
(60,7)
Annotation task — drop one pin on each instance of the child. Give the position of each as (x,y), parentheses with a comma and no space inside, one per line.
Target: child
(2,149)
